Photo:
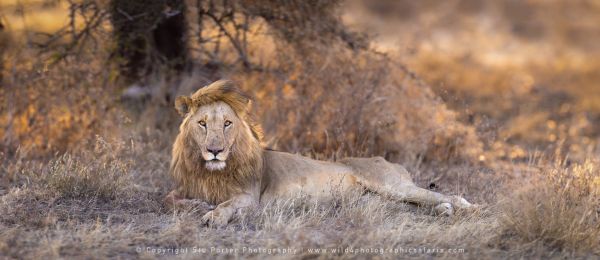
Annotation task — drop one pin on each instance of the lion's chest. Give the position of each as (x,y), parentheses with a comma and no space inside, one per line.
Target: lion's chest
(212,189)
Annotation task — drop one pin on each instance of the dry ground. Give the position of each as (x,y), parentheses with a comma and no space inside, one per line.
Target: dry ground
(83,173)
(106,202)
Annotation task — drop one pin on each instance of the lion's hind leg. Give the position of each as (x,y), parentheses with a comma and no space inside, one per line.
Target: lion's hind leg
(442,204)
(380,176)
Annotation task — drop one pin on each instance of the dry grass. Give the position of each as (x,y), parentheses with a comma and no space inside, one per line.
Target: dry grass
(558,207)
(102,178)
(82,175)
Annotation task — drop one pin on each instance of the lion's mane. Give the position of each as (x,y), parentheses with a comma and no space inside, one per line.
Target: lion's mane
(244,165)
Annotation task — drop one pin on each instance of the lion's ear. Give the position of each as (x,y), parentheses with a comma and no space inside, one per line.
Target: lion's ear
(242,104)
(249,105)
(183,104)
(244,99)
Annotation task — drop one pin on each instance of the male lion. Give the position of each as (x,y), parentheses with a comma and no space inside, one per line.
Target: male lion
(218,159)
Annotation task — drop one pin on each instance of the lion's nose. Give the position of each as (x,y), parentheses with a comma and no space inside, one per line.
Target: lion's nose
(214,151)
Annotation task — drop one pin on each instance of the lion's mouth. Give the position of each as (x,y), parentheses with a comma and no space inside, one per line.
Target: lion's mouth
(215,165)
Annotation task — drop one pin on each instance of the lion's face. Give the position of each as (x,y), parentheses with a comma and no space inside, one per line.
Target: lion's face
(214,128)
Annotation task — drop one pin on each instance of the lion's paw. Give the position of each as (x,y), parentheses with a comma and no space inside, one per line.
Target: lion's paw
(215,218)
(461,203)
(444,209)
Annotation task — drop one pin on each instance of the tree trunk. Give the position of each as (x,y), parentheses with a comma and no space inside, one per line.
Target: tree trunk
(4,42)
(150,37)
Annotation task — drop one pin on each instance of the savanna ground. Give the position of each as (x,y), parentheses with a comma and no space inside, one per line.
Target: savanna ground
(497,101)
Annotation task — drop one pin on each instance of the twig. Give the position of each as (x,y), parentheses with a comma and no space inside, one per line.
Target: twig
(231,38)
(129,17)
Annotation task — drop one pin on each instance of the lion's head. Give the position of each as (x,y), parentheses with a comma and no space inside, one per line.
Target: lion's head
(218,142)
(216,116)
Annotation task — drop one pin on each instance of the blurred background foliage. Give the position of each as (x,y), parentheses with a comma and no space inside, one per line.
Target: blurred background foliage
(460,80)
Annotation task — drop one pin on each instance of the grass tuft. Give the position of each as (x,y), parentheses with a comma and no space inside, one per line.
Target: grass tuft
(558,207)
(98,175)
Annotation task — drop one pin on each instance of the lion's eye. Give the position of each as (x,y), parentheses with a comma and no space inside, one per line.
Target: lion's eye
(227,123)
(202,123)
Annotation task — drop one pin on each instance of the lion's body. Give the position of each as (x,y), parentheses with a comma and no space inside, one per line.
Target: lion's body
(217,158)
(287,175)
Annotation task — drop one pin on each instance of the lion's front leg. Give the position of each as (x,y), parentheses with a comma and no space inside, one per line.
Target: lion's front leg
(221,215)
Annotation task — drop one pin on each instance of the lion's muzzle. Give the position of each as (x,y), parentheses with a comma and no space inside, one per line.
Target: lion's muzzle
(215,165)
(215,158)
